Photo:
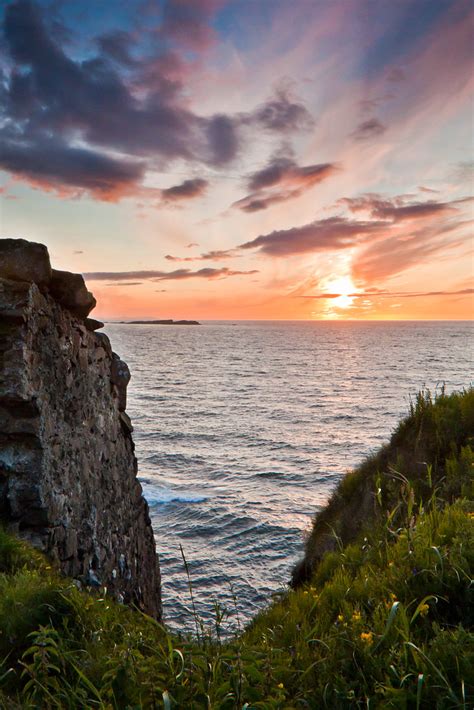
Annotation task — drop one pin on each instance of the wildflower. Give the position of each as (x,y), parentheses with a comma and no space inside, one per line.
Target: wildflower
(393,597)
(340,618)
(390,564)
(280,685)
(356,616)
(424,609)
(367,637)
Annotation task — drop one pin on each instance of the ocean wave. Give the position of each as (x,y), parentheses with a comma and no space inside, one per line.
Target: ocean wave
(159,496)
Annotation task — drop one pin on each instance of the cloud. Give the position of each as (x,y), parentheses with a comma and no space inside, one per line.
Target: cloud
(125,283)
(419,231)
(179,274)
(285,171)
(281,180)
(328,234)
(96,112)
(407,248)
(187,21)
(421,188)
(216,255)
(283,113)
(397,208)
(52,164)
(206,273)
(191,245)
(368,129)
(189,189)
(117,45)
(375,293)
(221,132)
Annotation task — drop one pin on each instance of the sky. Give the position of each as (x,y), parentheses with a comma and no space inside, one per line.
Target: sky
(244,159)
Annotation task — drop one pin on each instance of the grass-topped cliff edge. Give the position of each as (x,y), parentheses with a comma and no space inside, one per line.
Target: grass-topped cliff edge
(381,616)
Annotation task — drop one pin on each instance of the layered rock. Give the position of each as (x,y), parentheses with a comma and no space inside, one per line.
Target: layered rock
(67,467)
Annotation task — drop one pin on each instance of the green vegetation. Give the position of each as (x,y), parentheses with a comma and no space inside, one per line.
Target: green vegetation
(383,620)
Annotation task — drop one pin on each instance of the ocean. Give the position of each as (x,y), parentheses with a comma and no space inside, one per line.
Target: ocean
(244,428)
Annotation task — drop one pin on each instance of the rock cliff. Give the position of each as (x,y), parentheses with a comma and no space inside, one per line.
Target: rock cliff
(67,466)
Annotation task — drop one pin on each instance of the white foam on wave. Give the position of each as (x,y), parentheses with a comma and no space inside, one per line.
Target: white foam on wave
(157,495)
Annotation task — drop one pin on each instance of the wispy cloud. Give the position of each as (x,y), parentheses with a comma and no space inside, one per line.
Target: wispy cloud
(217,255)
(399,208)
(368,129)
(177,275)
(333,233)
(281,180)
(187,190)
(390,294)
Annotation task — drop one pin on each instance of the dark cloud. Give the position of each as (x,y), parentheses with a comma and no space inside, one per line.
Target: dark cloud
(191,245)
(288,172)
(281,180)
(320,235)
(117,46)
(397,209)
(222,137)
(188,189)
(46,93)
(259,201)
(368,129)
(53,164)
(178,275)
(283,113)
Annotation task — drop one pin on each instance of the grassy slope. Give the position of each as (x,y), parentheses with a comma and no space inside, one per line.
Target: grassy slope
(381,617)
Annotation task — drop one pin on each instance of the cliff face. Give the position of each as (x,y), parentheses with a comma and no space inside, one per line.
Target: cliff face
(67,466)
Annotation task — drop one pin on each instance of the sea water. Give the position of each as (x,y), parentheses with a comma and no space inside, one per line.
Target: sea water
(243,429)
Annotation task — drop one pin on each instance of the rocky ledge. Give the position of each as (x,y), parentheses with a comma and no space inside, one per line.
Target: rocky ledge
(67,466)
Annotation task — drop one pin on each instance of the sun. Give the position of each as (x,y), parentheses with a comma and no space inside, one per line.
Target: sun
(344,286)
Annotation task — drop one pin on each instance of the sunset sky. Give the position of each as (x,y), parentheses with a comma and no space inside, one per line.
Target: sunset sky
(251,159)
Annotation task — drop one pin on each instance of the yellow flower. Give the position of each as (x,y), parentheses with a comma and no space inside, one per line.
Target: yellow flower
(340,618)
(424,609)
(393,597)
(280,685)
(356,616)
(367,637)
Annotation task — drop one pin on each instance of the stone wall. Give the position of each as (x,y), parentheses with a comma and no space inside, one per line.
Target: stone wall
(67,466)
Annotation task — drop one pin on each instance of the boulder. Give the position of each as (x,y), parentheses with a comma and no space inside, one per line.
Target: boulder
(93,324)
(71,292)
(25,261)
(120,377)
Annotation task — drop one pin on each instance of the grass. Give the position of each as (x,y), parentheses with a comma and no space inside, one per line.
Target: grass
(381,615)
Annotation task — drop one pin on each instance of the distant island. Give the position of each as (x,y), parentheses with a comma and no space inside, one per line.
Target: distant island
(168,321)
